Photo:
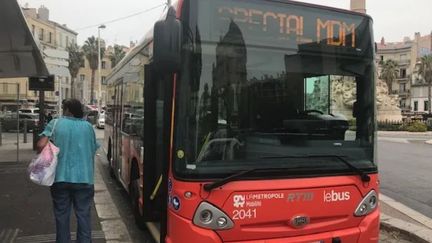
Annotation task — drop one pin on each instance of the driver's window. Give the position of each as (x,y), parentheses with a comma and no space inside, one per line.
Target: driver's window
(317,94)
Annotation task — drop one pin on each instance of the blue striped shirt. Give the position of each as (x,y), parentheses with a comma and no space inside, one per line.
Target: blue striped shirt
(77,142)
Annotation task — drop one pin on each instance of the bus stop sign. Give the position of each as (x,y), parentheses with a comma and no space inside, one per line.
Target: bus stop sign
(44,83)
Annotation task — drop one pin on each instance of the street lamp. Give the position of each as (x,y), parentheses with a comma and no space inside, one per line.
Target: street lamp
(99,68)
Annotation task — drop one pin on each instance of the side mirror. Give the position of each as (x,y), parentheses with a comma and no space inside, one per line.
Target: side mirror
(167,42)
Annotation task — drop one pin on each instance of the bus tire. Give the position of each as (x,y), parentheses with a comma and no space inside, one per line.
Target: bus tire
(134,197)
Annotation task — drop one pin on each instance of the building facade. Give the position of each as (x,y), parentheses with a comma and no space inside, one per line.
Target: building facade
(52,39)
(419,87)
(409,86)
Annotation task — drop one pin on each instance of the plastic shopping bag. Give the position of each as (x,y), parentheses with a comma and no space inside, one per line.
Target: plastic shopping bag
(43,167)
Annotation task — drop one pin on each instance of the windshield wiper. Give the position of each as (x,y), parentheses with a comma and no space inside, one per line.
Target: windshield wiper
(210,186)
(363,175)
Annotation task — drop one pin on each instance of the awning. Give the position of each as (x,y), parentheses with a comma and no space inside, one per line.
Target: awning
(19,54)
(59,71)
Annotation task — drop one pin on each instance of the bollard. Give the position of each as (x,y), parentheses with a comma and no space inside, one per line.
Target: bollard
(1,135)
(35,137)
(25,131)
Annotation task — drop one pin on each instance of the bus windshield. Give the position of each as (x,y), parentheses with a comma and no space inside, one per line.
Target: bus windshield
(274,85)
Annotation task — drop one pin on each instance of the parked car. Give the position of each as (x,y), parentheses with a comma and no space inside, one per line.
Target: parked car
(9,122)
(91,116)
(100,123)
(29,110)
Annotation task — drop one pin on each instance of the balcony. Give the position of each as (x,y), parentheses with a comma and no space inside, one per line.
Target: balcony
(403,78)
(404,93)
(401,93)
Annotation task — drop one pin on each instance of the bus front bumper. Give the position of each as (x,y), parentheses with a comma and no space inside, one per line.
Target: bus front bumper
(182,230)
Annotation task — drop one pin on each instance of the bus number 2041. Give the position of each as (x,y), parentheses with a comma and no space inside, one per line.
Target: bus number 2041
(244,214)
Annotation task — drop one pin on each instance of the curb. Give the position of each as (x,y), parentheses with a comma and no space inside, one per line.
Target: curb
(113,226)
(428,133)
(413,232)
(419,233)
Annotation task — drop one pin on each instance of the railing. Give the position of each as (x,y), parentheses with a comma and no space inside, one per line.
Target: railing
(399,78)
(401,125)
(404,92)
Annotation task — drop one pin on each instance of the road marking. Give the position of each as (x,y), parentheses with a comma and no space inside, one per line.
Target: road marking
(8,235)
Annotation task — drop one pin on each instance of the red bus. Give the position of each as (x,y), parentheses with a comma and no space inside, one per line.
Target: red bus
(249,121)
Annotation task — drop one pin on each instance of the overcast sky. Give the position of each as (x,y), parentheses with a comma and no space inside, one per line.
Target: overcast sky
(393,19)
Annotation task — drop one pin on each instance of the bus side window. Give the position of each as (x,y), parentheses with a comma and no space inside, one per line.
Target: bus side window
(127,125)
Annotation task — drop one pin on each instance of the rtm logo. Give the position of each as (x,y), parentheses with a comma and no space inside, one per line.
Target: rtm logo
(336,196)
(239,201)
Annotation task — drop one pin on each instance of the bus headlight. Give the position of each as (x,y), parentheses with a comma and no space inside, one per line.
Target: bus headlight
(210,217)
(367,205)
(206,216)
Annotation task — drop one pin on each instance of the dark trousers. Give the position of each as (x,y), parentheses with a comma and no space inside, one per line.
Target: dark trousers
(80,196)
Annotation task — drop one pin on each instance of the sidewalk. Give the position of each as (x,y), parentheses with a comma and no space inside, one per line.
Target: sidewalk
(26,210)
(8,149)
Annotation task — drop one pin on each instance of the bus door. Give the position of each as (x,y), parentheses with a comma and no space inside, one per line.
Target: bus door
(117,138)
(158,90)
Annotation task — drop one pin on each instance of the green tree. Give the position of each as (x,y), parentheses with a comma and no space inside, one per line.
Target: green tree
(117,55)
(389,72)
(76,60)
(90,49)
(426,72)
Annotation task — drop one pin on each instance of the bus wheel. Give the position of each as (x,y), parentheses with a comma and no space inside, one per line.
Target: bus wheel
(109,153)
(134,197)
(109,157)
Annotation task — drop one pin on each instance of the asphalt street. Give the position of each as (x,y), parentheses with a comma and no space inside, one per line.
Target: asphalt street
(406,172)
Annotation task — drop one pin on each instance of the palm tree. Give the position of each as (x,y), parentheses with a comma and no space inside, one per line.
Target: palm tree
(426,72)
(117,55)
(90,49)
(76,60)
(389,73)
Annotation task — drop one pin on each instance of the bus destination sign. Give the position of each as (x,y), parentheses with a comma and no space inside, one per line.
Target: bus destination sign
(288,25)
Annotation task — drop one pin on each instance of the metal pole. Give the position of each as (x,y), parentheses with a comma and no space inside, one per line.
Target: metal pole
(25,131)
(1,136)
(42,110)
(99,70)
(18,120)
(59,103)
